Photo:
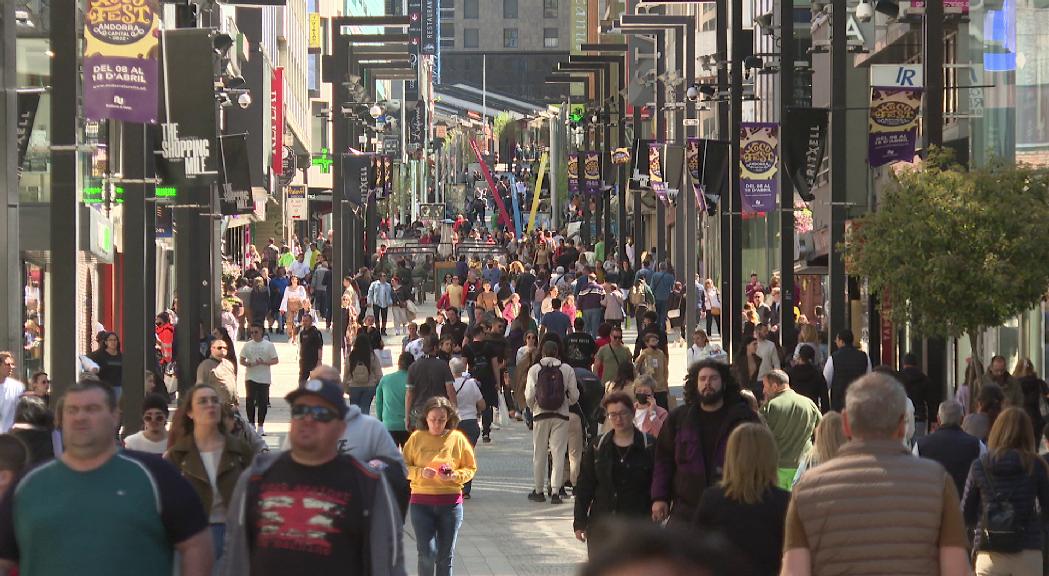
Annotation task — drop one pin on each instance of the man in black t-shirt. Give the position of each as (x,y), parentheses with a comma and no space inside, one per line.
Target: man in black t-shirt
(311,510)
(580,347)
(428,376)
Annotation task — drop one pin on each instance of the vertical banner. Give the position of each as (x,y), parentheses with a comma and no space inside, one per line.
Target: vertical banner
(235,192)
(120,60)
(516,203)
(28,102)
(573,173)
(655,170)
(356,178)
(504,216)
(759,164)
(277,120)
(592,172)
(538,189)
(893,124)
(297,203)
(415,25)
(387,179)
(188,148)
(430,26)
(164,225)
(315,40)
(805,143)
(694,159)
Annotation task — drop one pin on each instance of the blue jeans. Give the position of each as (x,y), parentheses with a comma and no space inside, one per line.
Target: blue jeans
(661,311)
(436,529)
(470,306)
(473,431)
(592,319)
(362,398)
(218,538)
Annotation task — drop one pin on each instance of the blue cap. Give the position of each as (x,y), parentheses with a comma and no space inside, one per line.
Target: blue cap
(328,390)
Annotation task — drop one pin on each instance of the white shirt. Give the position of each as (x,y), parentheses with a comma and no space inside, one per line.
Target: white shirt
(254,351)
(415,348)
(467,393)
(138,441)
(300,269)
(10,391)
(769,358)
(297,292)
(695,353)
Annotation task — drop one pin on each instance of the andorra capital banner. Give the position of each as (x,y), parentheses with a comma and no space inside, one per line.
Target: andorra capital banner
(758,166)
(120,60)
(893,131)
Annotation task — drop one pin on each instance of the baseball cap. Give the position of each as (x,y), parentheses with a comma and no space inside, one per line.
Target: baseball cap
(328,390)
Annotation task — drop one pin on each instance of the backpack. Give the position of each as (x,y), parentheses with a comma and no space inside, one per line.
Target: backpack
(1001,528)
(550,391)
(360,375)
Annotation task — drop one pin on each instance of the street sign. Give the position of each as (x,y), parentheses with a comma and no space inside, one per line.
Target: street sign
(897,75)
(297,203)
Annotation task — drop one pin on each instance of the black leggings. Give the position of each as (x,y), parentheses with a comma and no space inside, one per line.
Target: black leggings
(258,397)
(712,319)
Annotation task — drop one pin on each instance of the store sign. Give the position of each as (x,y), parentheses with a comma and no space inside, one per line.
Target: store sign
(120,60)
(949,6)
(298,205)
(277,120)
(316,34)
(323,161)
(431,23)
(758,164)
(899,75)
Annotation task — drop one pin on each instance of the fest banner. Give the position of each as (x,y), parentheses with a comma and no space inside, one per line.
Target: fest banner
(758,164)
(592,172)
(893,124)
(655,170)
(694,160)
(538,189)
(804,145)
(504,216)
(573,173)
(120,60)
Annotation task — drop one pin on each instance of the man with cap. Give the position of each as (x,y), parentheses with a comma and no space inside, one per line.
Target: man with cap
(311,509)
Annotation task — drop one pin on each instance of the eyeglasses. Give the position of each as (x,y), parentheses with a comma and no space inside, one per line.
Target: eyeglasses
(622,414)
(318,413)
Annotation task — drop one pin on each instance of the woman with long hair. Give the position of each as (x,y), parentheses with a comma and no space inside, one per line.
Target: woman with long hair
(1007,499)
(615,474)
(830,436)
(290,305)
(1035,392)
(208,456)
(440,462)
(745,366)
(989,405)
(110,361)
(809,337)
(747,507)
(362,373)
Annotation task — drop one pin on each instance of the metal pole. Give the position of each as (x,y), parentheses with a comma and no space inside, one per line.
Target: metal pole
(11,296)
(933,125)
(734,291)
(556,125)
(63,327)
(786,96)
(691,217)
(727,203)
(838,177)
(623,175)
(338,198)
(639,230)
(679,139)
(138,305)
(660,136)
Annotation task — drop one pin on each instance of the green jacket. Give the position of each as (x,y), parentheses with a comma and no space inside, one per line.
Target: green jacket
(236,457)
(389,400)
(792,418)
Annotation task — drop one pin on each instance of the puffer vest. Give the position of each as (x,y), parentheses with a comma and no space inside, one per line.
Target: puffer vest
(873,509)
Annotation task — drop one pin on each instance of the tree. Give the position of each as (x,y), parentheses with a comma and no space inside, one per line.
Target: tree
(959,251)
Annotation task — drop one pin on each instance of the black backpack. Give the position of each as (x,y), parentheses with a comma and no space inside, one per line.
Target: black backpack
(1001,529)
(550,391)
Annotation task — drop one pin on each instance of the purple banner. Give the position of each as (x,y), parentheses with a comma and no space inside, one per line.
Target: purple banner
(120,60)
(573,173)
(893,125)
(592,172)
(655,170)
(693,159)
(758,164)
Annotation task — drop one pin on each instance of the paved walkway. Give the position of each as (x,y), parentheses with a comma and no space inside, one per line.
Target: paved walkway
(503,534)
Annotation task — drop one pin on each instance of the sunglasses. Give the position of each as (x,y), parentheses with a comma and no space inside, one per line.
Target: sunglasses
(318,413)
(620,337)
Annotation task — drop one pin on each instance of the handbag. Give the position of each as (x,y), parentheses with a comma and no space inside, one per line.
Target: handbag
(715,311)
(998,519)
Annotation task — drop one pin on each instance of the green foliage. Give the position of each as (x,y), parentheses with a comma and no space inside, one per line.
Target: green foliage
(499,124)
(959,250)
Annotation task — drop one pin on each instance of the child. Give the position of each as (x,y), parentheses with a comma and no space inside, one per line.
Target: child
(653,362)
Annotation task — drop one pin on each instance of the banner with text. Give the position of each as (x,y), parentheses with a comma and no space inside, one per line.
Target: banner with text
(592,172)
(120,60)
(277,120)
(655,170)
(298,205)
(356,178)
(235,193)
(188,150)
(804,147)
(28,102)
(573,173)
(758,165)
(893,125)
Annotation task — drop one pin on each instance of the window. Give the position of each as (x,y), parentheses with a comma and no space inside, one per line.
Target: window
(549,37)
(510,9)
(509,37)
(470,9)
(549,8)
(470,38)
(447,35)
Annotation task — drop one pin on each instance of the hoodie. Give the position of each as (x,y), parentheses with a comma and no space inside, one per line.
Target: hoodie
(385,554)
(366,439)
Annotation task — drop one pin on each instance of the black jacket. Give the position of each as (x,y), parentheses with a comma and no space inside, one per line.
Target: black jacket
(919,390)
(954,449)
(757,529)
(1013,482)
(849,365)
(600,492)
(807,380)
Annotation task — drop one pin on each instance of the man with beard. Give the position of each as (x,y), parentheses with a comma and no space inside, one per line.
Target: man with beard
(713,408)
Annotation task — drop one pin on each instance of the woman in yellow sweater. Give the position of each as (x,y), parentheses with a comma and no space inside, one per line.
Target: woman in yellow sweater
(440,461)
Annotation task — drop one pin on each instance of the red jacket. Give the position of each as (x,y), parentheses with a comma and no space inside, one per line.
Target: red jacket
(166,336)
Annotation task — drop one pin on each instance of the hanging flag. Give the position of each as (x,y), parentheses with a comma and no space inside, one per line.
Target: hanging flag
(758,163)
(573,173)
(804,147)
(504,216)
(592,172)
(714,172)
(694,159)
(356,178)
(893,124)
(120,60)
(27,106)
(655,170)
(538,189)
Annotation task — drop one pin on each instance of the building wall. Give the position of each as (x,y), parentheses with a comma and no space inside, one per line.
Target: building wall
(517,74)
(293,58)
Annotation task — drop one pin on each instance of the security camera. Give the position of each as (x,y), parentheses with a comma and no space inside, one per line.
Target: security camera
(244,100)
(692,93)
(864,11)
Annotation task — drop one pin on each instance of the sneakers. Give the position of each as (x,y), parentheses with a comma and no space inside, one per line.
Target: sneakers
(563,493)
(486,439)
(260,431)
(556,499)
(537,497)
